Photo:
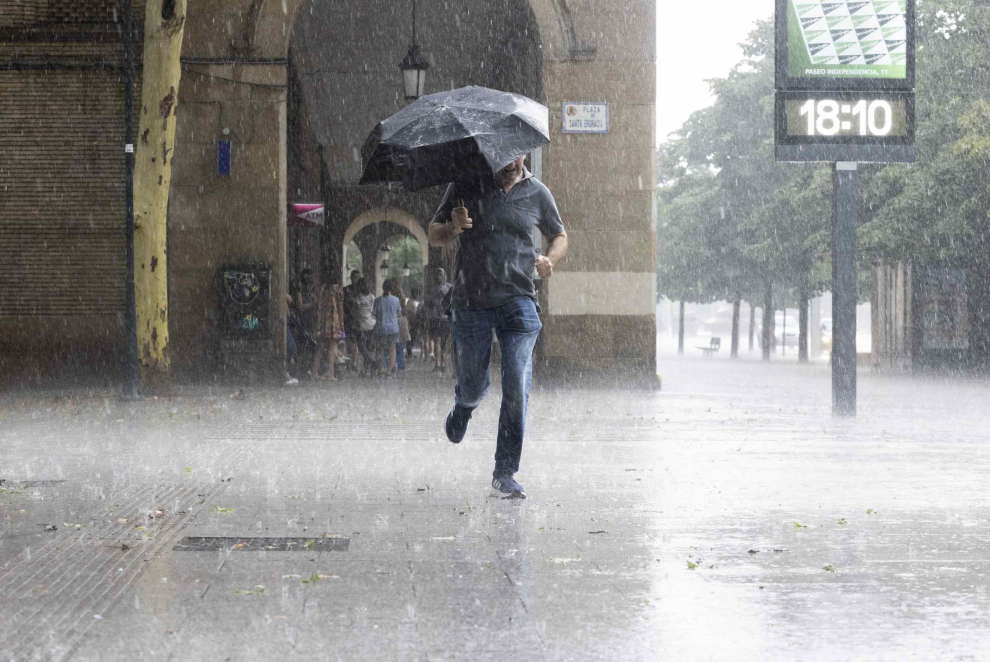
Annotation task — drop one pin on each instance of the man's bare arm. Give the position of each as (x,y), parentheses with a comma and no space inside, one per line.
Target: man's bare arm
(557,250)
(442,234)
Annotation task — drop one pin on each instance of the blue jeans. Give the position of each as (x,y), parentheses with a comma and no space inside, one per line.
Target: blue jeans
(290,347)
(400,357)
(517,325)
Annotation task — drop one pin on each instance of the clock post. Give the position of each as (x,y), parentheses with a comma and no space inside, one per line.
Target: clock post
(845,73)
(845,182)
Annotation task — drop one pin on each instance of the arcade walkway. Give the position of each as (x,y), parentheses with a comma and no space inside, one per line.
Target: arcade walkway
(728,517)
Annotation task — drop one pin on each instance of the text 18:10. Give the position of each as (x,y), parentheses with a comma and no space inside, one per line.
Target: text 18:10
(875,118)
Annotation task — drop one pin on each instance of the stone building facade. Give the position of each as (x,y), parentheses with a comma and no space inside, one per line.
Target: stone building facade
(294,87)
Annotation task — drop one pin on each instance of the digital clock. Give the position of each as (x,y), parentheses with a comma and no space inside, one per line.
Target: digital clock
(844,125)
(844,118)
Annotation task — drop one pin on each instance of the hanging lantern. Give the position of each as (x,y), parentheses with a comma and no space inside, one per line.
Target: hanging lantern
(414,66)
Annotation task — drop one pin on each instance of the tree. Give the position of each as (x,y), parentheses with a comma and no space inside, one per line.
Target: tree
(164,26)
(755,223)
(935,211)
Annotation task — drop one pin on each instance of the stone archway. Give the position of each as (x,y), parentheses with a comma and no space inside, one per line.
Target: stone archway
(380,215)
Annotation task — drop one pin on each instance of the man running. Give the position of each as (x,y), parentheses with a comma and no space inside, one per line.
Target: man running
(494,292)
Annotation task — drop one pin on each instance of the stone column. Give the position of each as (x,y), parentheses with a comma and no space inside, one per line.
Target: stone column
(602,300)
(216,219)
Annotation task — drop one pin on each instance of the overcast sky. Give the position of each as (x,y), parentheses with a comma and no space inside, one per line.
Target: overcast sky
(697,40)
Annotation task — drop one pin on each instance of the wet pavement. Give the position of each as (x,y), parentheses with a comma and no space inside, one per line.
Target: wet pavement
(728,517)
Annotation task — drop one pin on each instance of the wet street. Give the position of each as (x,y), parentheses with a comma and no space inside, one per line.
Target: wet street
(727,517)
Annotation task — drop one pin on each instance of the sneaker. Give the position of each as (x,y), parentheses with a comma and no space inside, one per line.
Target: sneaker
(457,423)
(506,487)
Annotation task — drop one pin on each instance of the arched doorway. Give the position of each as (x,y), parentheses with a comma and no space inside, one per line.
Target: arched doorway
(386,223)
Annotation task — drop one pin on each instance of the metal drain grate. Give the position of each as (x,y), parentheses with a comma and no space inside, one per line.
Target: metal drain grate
(213,544)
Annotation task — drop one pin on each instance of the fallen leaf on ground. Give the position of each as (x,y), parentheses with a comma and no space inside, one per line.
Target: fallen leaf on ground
(798,525)
(753,551)
(257,590)
(828,568)
(691,566)
(240,545)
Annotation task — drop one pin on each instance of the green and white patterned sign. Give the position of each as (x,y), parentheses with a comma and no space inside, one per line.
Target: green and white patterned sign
(851,39)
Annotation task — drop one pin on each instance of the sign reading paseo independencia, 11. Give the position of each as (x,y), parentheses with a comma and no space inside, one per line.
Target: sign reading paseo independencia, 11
(845,44)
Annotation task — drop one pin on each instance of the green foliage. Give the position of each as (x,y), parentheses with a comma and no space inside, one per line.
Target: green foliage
(353,257)
(406,250)
(936,210)
(730,219)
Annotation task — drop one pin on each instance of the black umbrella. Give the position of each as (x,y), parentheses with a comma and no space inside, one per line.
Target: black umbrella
(460,135)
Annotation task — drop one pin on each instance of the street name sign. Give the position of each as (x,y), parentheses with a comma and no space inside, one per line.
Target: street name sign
(585,117)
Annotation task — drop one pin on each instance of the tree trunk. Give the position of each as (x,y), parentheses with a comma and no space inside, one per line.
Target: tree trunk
(803,325)
(752,324)
(680,330)
(766,341)
(163,28)
(735,328)
(783,331)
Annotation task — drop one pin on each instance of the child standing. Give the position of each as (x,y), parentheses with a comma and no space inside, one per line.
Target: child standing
(386,326)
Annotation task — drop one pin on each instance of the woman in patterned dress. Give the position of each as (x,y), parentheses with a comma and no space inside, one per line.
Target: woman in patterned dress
(329,327)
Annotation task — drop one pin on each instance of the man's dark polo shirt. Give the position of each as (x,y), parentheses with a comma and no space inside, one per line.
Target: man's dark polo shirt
(496,256)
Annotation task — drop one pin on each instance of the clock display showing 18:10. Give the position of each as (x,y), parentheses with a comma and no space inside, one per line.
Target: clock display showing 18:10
(847,117)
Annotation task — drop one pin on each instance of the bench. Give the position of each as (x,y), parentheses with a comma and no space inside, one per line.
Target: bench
(713,346)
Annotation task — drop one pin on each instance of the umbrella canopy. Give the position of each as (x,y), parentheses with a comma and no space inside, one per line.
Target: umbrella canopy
(460,135)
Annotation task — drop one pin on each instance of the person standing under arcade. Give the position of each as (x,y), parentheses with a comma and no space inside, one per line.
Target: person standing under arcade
(494,292)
